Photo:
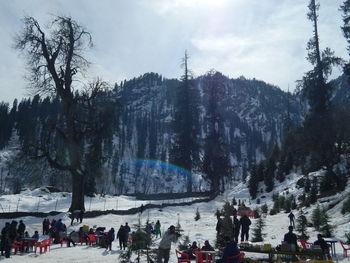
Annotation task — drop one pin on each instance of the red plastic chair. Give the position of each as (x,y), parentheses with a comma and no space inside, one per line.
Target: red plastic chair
(92,240)
(305,244)
(201,258)
(64,241)
(237,258)
(182,257)
(346,247)
(17,246)
(83,240)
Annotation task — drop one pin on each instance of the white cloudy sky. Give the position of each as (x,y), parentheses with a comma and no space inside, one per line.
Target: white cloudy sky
(264,39)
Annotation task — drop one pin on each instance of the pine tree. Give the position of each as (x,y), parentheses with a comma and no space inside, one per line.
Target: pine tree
(301,225)
(253,182)
(346,30)
(325,228)
(198,215)
(264,208)
(186,125)
(318,141)
(258,235)
(316,217)
(314,191)
(216,163)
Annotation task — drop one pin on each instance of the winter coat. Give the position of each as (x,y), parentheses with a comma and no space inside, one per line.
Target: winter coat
(110,235)
(157,228)
(236,225)
(291,238)
(21,228)
(245,223)
(168,237)
(122,234)
(231,249)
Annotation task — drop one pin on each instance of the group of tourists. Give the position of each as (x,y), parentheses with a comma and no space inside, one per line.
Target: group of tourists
(240,226)
(13,232)
(291,239)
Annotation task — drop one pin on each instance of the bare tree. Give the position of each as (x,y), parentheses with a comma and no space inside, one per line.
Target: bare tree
(56,59)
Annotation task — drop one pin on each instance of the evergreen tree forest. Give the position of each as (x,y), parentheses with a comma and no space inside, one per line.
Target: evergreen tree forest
(320,141)
(150,134)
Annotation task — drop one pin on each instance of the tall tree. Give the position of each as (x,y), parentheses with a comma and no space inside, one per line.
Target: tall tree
(186,124)
(216,163)
(56,58)
(318,140)
(346,30)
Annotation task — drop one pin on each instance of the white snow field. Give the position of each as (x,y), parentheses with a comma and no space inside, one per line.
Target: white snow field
(201,230)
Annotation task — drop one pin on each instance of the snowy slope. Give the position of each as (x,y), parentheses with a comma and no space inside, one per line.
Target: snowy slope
(204,229)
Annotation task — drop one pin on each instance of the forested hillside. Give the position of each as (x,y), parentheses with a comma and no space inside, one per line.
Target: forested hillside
(132,153)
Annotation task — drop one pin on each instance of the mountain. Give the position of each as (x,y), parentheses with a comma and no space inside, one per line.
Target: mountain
(136,159)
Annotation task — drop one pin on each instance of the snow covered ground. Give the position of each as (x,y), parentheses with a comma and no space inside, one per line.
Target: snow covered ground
(201,230)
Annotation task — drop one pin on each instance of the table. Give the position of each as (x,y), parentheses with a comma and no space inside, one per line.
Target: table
(271,253)
(28,242)
(205,255)
(332,244)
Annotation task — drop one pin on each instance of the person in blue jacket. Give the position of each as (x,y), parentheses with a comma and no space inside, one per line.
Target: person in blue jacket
(231,249)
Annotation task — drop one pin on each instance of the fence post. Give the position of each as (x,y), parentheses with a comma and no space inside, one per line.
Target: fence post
(116,206)
(104,206)
(56,205)
(37,209)
(19,199)
(2,208)
(90,204)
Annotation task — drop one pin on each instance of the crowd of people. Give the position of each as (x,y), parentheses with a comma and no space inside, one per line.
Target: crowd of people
(57,231)
(240,226)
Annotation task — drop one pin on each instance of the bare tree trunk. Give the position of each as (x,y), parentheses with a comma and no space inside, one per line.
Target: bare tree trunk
(78,182)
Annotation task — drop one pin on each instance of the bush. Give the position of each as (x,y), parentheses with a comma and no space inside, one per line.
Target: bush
(198,215)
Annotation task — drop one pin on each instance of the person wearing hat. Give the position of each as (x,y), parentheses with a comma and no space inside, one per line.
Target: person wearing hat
(165,244)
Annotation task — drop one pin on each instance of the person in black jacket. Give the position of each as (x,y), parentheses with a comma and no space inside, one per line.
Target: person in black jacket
(4,240)
(110,238)
(122,236)
(323,244)
(291,238)
(236,227)
(21,229)
(231,249)
(245,223)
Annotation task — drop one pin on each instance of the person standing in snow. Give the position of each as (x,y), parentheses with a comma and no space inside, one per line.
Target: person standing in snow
(291,219)
(110,239)
(165,244)
(245,223)
(21,229)
(122,236)
(157,229)
(236,227)
(291,238)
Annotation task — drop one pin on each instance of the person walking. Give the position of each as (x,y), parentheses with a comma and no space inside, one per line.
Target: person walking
(157,229)
(291,219)
(245,223)
(110,239)
(122,236)
(165,244)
